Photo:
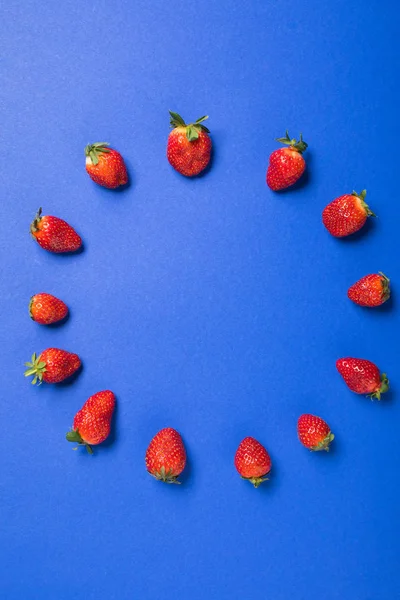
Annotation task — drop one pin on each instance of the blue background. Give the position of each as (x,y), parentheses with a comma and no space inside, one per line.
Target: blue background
(211,305)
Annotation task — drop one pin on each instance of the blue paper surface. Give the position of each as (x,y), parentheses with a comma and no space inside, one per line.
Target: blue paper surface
(210,305)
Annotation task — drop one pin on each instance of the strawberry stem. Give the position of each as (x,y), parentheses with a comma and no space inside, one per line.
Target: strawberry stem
(37,368)
(324,444)
(300,145)
(384,387)
(192,130)
(75,437)
(93,151)
(256,481)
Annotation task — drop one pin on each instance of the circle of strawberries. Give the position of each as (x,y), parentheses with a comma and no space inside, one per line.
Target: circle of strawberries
(189,152)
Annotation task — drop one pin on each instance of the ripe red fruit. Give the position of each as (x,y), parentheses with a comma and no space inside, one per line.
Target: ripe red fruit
(347,214)
(363,377)
(189,146)
(47,309)
(54,234)
(166,456)
(286,165)
(105,165)
(371,290)
(252,461)
(92,423)
(52,366)
(314,433)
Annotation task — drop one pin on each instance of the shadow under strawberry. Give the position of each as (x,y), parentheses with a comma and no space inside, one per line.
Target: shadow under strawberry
(70,380)
(112,438)
(360,234)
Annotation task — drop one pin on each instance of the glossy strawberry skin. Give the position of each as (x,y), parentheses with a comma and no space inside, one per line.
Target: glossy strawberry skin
(166,456)
(110,170)
(286,166)
(46,309)
(188,158)
(54,234)
(371,290)
(53,366)
(314,433)
(93,421)
(362,376)
(346,215)
(252,461)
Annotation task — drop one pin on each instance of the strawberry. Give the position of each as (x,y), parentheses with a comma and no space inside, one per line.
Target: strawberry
(363,377)
(286,165)
(92,423)
(371,290)
(314,433)
(189,146)
(252,461)
(54,234)
(47,309)
(166,456)
(105,165)
(52,366)
(347,214)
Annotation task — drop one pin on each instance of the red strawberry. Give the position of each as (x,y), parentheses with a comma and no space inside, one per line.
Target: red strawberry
(252,461)
(363,377)
(166,456)
(92,423)
(189,146)
(314,433)
(371,290)
(286,165)
(54,234)
(347,214)
(105,165)
(52,366)
(47,309)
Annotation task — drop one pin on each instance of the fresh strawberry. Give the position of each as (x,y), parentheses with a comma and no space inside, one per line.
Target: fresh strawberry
(371,290)
(189,146)
(347,214)
(363,377)
(52,366)
(252,461)
(166,456)
(54,234)
(286,165)
(92,423)
(314,433)
(105,165)
(47,309)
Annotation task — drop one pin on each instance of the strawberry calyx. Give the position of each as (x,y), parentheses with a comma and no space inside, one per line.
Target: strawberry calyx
(192,130)
(36,367)
(256,481)
(300,145)
(30,308)
(361,197)
(385,286)
(35,222)
(165,476)
(93,151)
(382,388)
(324,444)
(75,437)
